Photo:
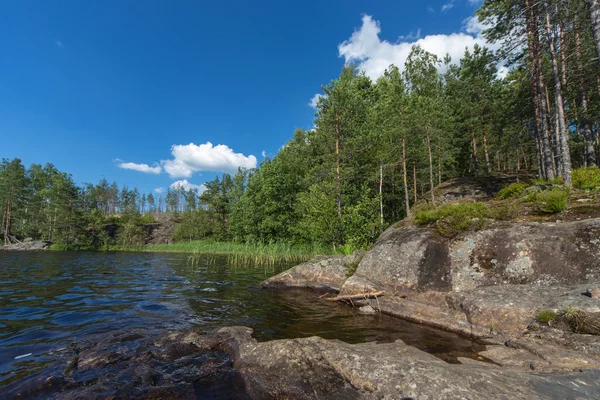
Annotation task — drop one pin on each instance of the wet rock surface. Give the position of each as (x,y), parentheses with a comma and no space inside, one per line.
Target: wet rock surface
(319,273)
(231,364)
(131,365)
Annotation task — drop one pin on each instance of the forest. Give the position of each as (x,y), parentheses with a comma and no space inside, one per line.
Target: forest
(376,147)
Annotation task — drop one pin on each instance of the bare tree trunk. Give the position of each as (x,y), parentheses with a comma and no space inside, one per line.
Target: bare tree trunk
(525,160)
(475,158)
(556,140)
(430,165)
(381,193)
(439,159)
(560,111)
(337,170)
(415,181)
(487,155)
(408,214)
(586,127)
(594,11)
(538,89)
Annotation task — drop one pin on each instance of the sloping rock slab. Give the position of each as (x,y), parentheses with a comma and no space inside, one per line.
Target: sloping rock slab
(514,307)
(315,368)
(319,273)
(409,257)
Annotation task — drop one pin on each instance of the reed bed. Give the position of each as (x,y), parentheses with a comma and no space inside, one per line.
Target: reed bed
(238,254)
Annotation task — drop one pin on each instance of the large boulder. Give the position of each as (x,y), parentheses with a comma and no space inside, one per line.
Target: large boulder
(409,257)
(318,273)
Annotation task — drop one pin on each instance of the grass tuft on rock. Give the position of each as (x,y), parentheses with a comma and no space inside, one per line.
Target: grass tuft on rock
(545,316)
(453,219)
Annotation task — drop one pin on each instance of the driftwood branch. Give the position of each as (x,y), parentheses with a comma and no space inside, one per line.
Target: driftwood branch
(359,296)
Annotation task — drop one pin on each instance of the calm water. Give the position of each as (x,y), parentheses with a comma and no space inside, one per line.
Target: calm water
(50,300)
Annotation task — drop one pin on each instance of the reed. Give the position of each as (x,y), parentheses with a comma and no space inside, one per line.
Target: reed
(240,254)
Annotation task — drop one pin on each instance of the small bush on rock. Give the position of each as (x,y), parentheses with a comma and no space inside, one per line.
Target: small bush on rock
(552,201)
(512,190)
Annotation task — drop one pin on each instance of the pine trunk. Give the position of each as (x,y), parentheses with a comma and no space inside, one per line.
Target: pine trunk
(538,89)
(408,215)
(586,126)
(594,11)
(431,185)
(487,155)
(565,156)
(415,181)
(337,170)
(475,158)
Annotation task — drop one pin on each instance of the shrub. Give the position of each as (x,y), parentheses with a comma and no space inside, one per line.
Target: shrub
(450,220)
(552,201)
(586,178)
(505,212)
(512,190)
(545,316)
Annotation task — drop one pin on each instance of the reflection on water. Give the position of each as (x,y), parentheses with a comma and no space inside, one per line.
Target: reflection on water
(48,301)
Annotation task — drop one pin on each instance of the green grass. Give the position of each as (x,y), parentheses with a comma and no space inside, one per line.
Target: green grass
(452,219)
(236,253)
(512,190)
(552,201)
(545,316)
(586,178)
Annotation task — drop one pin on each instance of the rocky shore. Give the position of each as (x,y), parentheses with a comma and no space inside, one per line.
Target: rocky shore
(527,290)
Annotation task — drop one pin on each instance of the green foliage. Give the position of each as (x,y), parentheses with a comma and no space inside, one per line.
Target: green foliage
(360,221)
(131,234)
(450,220)
(505,212)
(545,316)
(586,178)
(512,190)
(551,201)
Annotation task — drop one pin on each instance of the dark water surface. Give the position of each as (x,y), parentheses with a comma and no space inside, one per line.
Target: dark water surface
(51,300)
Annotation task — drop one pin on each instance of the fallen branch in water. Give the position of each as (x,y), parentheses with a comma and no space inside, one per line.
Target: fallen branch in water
(359,296)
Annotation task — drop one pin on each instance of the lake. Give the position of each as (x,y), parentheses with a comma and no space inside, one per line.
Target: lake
(50,301)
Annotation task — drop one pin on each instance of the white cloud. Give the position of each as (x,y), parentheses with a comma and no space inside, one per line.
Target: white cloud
(145,168)
(374,55)
(314,100)
(187,186)
(191,158)
(159,190)
(264,154)
(448,5)
(474,2)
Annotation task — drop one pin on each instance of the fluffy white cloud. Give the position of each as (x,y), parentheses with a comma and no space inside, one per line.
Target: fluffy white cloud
(191,158)
(314,101)
(187,186)
(145,168)
(374,55)
(159,190)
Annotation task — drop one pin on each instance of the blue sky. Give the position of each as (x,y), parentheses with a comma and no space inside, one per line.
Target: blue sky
(96,87)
